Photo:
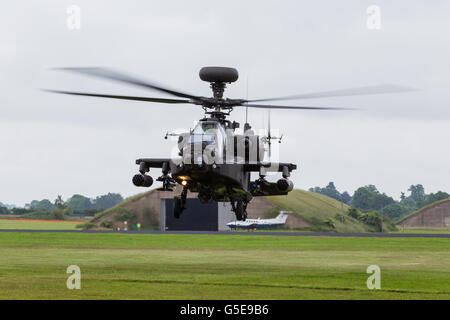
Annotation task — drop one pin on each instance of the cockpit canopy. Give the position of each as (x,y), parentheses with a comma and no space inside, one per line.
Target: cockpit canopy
(205,133)
(204,127)
(205,143)
(213,142)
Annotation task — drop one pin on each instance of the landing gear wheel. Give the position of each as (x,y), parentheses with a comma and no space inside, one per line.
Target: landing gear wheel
(240,212)
(245,211)
(204,197)
(177,207)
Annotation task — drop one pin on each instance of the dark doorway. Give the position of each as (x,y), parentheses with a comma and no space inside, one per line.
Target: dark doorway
(196,216)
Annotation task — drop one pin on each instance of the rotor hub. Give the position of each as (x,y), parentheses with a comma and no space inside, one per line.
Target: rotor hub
(218,88)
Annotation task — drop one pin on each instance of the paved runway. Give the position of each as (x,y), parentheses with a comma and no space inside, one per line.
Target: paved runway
(291,234)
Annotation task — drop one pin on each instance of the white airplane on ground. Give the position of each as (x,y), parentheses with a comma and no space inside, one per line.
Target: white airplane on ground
(260,223)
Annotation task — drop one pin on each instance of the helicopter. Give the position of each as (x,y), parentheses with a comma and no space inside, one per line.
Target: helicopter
(214,160)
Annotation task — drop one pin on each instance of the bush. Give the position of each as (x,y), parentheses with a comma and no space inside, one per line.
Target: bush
(60,214)
(106,224)
(272,212)
(86,226)
(151,216)
(330,223)
(373,218)
(56,214)
(20,211)
(4,210)
(393,211)
(340,217)
(353,212)
(44,215)
(123,214)
(388,225)
(319,225)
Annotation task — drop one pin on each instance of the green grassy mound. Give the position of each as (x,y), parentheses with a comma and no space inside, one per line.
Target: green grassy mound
(120,205)
(422,209)
(322,213)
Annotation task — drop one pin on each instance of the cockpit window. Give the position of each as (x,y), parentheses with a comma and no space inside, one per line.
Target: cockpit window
(203,127)
(204,133)
(208,138)
(206,143)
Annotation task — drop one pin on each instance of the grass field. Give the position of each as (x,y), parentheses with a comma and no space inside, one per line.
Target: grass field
(134,266)
(38,224)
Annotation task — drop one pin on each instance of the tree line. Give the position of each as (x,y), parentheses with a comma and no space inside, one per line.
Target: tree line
(368,198)
(77,204)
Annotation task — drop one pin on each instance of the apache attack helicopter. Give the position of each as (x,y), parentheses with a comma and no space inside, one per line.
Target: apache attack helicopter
(213,159)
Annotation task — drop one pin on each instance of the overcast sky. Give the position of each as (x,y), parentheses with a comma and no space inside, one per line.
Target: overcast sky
(53,144)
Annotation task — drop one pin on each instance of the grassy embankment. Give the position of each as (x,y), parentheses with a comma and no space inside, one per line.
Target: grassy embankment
(322,212)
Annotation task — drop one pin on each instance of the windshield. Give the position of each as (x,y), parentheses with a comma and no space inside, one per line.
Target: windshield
(202,138)
(206,143)
(205,127)
(204,132)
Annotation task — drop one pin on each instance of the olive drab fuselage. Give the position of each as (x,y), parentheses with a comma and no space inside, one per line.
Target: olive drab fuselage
(216,162)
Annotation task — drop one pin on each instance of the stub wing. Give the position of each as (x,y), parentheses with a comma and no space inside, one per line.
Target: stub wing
(266,188)
(262,187)
(270,166)
(154,162)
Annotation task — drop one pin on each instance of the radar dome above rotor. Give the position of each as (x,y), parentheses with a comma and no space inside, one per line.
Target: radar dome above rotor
(219,74)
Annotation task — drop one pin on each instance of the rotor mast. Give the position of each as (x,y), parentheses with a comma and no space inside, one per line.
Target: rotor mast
(218,77)
(218,89)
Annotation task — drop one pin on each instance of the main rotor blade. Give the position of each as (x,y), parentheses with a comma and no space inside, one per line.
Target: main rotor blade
(161,100)
(120,77)
(263,106)
(380,89)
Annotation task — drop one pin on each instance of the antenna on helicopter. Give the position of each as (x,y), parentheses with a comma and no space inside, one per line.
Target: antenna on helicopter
(269,135)
(247,125)
(246,108)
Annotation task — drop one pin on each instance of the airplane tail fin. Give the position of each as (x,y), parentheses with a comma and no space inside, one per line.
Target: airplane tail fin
(283,216)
